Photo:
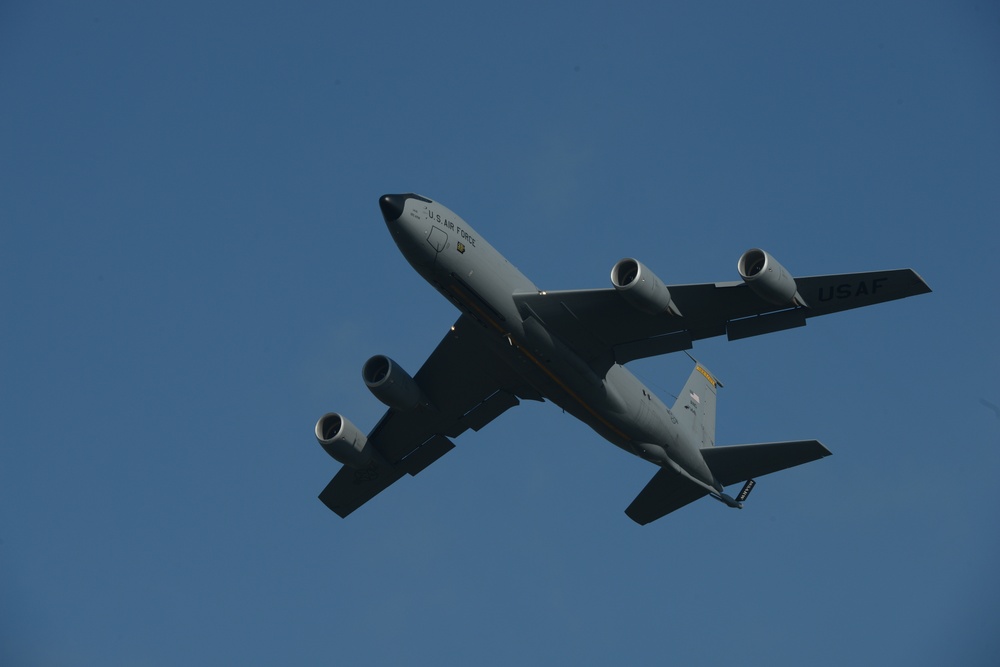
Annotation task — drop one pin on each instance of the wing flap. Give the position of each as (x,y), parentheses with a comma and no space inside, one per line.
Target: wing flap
(763,324)
(652,347)
(426,454)
(488,410)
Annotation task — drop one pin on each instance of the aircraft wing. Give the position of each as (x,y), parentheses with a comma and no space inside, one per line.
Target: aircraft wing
(467,387)
(605,329)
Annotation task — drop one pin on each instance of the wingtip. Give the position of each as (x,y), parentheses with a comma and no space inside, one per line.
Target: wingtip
(920,285)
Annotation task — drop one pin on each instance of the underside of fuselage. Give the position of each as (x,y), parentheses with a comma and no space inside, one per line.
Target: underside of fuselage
(482,283)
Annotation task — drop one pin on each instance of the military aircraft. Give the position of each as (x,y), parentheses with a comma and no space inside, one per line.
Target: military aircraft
(514,341)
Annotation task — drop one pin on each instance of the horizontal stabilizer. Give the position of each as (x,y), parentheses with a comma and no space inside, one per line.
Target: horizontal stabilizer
(738,463)
(666,492)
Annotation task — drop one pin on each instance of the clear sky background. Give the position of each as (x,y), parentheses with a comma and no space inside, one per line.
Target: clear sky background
(193,268)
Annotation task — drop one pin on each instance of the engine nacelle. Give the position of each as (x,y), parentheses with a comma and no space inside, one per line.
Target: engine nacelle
(768,279)
(343,441)
(390,383)
(641,288)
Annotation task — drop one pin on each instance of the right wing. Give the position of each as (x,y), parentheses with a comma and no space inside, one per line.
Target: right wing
(605,329)
(468,387)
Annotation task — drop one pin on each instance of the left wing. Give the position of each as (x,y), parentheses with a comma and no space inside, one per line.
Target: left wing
(467,387)
(606,329)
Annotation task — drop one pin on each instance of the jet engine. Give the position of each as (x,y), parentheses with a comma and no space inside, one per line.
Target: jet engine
(390,383)
(343,441)
(768,279)
(641,288)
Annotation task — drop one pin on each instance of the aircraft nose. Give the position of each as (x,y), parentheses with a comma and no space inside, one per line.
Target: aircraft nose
(392,206)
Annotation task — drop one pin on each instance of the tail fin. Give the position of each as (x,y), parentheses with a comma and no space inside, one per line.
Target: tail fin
(695,406)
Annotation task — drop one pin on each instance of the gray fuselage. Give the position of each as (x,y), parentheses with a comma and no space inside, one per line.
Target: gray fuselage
(478,280)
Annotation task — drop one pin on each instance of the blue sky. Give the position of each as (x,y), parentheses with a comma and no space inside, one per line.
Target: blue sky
(193,268)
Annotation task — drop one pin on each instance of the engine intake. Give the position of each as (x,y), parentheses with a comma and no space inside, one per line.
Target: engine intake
(768,279)
(343,441)
(641,288)
(391,384)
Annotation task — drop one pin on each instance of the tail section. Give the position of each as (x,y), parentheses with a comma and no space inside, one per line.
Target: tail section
(695,406)
(673,487)
(669,490)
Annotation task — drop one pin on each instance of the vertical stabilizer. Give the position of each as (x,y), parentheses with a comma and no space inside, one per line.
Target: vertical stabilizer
(695,406)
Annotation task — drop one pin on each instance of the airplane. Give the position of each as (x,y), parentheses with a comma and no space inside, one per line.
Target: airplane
(514,341)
